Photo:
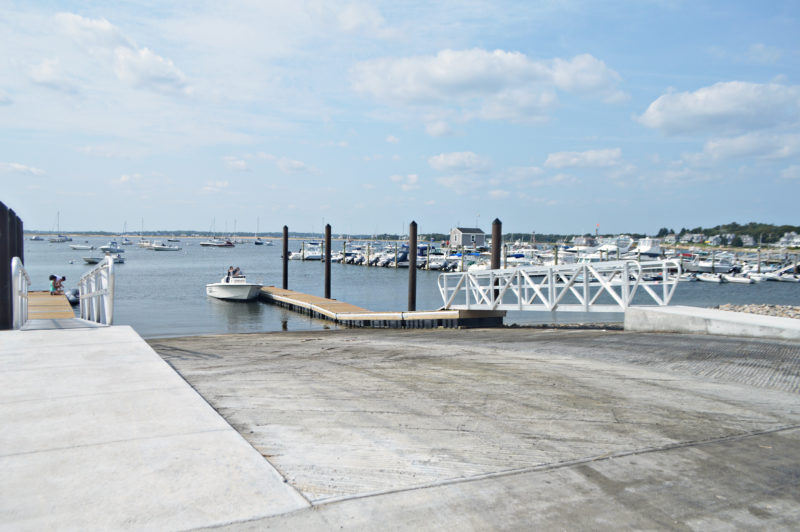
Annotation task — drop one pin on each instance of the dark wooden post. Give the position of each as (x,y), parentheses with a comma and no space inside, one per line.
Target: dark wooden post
(285,257)
(327,259)
(497,242)
(412,266)
(6,318)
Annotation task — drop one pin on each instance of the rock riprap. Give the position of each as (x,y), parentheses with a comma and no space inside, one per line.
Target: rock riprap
(781,311)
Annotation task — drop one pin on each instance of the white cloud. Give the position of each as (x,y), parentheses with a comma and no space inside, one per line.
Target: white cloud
(5,99)
(391,139)
(724,106)
(438,128)
(499,194)
(756,144)
(363,17)
(522,173)
(291,166)
(49,73)
(465,161)
(408,182)
(235,163)
(761,53)
(584,159)
(136,66)
(125,179)
(458,183)
(792,172)
(92,33)
(587,75)
(21,169)
(214,187)
(143,68)
(494,85)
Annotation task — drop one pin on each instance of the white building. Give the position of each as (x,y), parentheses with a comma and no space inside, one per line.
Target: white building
(748,241)
(467,237)
(789,240)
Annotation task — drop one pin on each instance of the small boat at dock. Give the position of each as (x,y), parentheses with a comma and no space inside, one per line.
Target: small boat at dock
(233,289)
(709,277)
(81,246)
(729,278)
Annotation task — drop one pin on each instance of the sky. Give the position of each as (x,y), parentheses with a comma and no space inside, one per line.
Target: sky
(552,116)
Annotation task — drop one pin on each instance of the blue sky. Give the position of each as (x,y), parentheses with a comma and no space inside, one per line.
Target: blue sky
(551,116)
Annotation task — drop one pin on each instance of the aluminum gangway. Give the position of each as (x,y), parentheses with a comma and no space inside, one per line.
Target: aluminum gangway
(96,289)
(581,287)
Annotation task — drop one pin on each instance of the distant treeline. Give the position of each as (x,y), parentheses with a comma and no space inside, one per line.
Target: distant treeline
(768,233)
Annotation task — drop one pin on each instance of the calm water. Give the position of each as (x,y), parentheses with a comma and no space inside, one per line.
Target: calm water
(163,294)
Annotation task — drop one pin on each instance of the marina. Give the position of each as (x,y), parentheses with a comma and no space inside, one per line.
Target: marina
(151,285)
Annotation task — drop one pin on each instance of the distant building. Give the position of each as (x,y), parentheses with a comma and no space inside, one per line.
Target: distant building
(693,238)
(670,239)
(789,240)
(715,240)
(748,240)
(467,237)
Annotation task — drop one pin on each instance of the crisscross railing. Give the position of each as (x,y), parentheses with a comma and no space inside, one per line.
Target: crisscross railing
(97,292)
(583,287)
(19,287)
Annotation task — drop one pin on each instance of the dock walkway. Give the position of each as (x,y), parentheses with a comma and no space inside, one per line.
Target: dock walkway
(353,316)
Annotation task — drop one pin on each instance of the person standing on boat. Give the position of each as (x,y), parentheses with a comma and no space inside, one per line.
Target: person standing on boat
(237,272)
(230,273)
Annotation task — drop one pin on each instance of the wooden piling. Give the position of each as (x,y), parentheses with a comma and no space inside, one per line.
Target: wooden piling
(285,257)
(412,266)
(327,259)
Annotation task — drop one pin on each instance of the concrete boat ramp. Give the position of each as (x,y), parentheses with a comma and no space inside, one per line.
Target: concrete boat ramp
(483,429)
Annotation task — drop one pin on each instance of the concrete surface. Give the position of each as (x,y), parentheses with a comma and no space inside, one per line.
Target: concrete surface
(98,433)
(512,428)
(683,319)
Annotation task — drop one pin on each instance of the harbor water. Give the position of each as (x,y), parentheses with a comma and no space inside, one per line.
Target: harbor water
(162,293)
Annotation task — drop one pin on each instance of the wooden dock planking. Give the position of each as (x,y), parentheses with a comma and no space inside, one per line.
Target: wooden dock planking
(43,306)
(354,316)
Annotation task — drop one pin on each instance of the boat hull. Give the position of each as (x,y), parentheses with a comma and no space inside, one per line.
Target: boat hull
(232,291)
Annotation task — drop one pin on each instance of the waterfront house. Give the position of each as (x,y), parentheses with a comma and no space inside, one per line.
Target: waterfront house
(467,237)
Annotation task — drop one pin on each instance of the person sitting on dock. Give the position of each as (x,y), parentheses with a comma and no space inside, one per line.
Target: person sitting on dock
(60,283)
(55,285)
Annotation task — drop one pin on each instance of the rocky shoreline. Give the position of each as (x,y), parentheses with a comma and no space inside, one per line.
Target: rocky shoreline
(781,311)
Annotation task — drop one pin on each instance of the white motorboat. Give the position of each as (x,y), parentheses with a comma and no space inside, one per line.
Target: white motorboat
(81,246)
(111,247)
(233,288)
(161,246)
(217,243)
(709,277)
(92,260)
(37,238)
(728,278)
(650,247)
(59,239)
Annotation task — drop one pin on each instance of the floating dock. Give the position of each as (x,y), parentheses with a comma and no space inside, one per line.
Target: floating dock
(43,306)
(353,316)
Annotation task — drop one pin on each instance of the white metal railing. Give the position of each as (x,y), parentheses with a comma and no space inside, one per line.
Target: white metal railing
(97,292)
(20,281)
(583,287)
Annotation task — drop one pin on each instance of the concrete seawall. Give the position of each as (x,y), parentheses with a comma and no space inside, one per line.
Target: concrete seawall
(695,320)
